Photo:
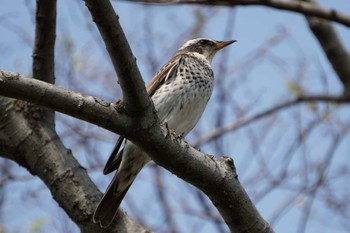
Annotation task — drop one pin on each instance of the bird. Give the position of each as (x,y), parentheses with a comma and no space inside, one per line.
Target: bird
(180,91)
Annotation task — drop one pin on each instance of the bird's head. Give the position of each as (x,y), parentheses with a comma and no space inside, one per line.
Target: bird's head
(204,46)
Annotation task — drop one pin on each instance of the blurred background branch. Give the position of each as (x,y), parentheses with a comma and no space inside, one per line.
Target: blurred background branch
(299,7)
(291,154)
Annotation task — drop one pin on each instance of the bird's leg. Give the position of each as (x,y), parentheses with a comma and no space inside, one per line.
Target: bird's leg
(178,137)
(119,106)
(170,132)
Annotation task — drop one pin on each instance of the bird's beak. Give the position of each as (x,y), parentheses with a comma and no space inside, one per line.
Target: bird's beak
(222,44)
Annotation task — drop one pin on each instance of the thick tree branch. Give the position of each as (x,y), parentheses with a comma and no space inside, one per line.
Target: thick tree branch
(134,93)
(71,103)
(333,47)
(216,178)
(28,137)
(40,150)
(60,171)
(44,49)
(243,121)
(304,8)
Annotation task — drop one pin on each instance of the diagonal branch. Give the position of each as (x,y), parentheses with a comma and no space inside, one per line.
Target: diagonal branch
(216,178)
(304,8)
(204,172)
(332,46)
(39,150)
(134,93)
(243,121)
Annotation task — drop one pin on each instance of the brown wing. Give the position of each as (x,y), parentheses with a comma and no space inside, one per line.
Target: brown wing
(159,78)
(163,74)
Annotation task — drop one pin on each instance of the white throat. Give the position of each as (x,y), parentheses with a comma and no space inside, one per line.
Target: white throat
(204,57)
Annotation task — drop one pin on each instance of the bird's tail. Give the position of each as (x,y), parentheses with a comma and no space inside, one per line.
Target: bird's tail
(110,202)
(129,162)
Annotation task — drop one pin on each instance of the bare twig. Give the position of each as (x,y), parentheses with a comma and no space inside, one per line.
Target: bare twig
(167,210)
(295,6)
(247,120)
(314,189)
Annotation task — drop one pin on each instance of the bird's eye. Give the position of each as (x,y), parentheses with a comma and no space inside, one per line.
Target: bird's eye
(203,42)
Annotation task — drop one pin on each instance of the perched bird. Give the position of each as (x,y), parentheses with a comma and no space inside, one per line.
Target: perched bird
(180,92)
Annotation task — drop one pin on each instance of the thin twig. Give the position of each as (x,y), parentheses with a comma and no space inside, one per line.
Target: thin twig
(247,120)
(295,6)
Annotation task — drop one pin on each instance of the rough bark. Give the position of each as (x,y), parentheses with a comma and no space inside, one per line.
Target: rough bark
(216,178)
(332,46)
(25,139)
(44,50)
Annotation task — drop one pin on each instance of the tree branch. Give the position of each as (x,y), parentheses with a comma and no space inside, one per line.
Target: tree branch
(243,121)
(59,99)
(44,44)
(318,19)
(216,178)
(44,49)
(304,8)
(36,146)
(332,47)
(39,149)
(133,87)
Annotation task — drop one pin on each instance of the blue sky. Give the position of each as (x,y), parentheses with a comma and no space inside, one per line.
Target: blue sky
(264,85)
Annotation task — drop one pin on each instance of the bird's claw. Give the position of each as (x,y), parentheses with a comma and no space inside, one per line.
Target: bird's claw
(168,131)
